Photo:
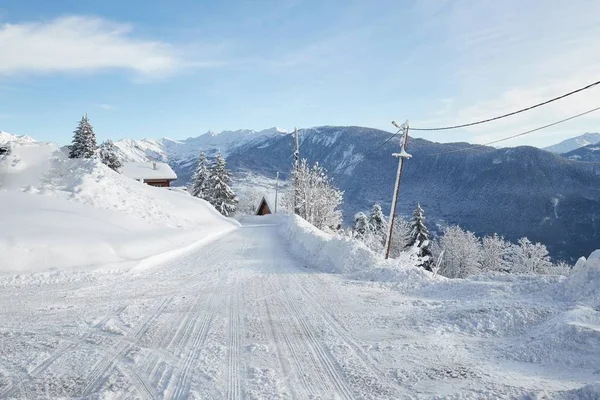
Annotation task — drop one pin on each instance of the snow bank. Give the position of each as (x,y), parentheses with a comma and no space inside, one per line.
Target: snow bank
(61,213)
(331,253)
(583,284)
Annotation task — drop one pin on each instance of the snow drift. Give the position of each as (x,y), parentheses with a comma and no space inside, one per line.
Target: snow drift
(583,284)
(59,213)
(333,253)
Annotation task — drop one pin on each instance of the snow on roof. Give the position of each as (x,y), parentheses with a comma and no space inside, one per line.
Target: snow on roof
(146,170)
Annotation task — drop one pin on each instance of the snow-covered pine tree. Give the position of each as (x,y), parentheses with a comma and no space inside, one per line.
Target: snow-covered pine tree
(419,235)
(84,140)
(419,232)
(377,222)
(219,193)
(108,155)
(200,180)
(361,225)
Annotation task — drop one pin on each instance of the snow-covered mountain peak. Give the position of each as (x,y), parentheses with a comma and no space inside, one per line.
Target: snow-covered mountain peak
(574,143)
(6,137)
(182,150)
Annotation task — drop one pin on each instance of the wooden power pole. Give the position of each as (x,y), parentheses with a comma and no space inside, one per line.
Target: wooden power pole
(401,157)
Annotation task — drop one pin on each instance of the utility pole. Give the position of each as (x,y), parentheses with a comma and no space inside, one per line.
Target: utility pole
(276,190)
(296,167)
(401,156)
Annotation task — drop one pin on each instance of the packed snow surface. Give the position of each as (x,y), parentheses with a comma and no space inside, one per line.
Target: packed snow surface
(248,316)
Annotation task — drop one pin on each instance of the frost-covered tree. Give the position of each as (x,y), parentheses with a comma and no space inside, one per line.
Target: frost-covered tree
(218,192)
(419,235)
(419,232)
(530,258)
(198,186)
(496,254)
(108,155)
(462,253)
(84,140)
(316,199)
(377,222)
(361,225)
(400,236)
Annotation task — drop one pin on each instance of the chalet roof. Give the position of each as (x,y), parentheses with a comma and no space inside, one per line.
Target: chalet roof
(146,171)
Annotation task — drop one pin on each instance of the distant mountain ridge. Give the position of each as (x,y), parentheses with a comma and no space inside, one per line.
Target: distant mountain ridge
(522,191)
(589,153)
(574,143)
(6,137)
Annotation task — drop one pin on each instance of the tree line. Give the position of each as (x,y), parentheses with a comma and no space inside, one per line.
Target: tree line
(457,253)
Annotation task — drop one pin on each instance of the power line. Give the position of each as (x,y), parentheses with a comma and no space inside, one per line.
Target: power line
(511,113)
(517,135)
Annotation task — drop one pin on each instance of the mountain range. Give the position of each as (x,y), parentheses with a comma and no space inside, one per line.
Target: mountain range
(574,143)
(516,192)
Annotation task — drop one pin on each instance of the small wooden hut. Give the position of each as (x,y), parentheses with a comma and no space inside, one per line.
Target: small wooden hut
(263,208)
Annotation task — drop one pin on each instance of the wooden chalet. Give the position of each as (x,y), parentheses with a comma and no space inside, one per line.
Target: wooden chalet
(152,173)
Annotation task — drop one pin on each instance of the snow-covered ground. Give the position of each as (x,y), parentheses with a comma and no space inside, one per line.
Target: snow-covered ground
(245,317)
(58,213)
(274,309)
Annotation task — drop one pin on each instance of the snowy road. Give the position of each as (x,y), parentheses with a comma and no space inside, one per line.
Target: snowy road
(239,318)
(242,318)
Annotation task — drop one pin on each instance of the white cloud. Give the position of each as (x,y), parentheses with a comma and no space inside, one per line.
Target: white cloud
(512,54)
(77,43)
(106,107)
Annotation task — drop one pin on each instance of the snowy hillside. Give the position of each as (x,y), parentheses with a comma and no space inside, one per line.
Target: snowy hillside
(65,213)
(574,143)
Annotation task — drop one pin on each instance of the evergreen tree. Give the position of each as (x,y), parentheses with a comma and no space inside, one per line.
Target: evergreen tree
(108,155)
(84,140)
(200,180)
(419,236)
(377,222)
(361,225)
(219,194)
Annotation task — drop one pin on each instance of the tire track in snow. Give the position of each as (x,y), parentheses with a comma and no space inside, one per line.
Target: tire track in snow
(294,358)
(48,361)
(366,361)
(198,335)
(329,364)
(120,348)
(324,367)
(233,356)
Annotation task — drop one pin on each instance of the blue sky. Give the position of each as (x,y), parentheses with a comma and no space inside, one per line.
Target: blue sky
(180,68)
